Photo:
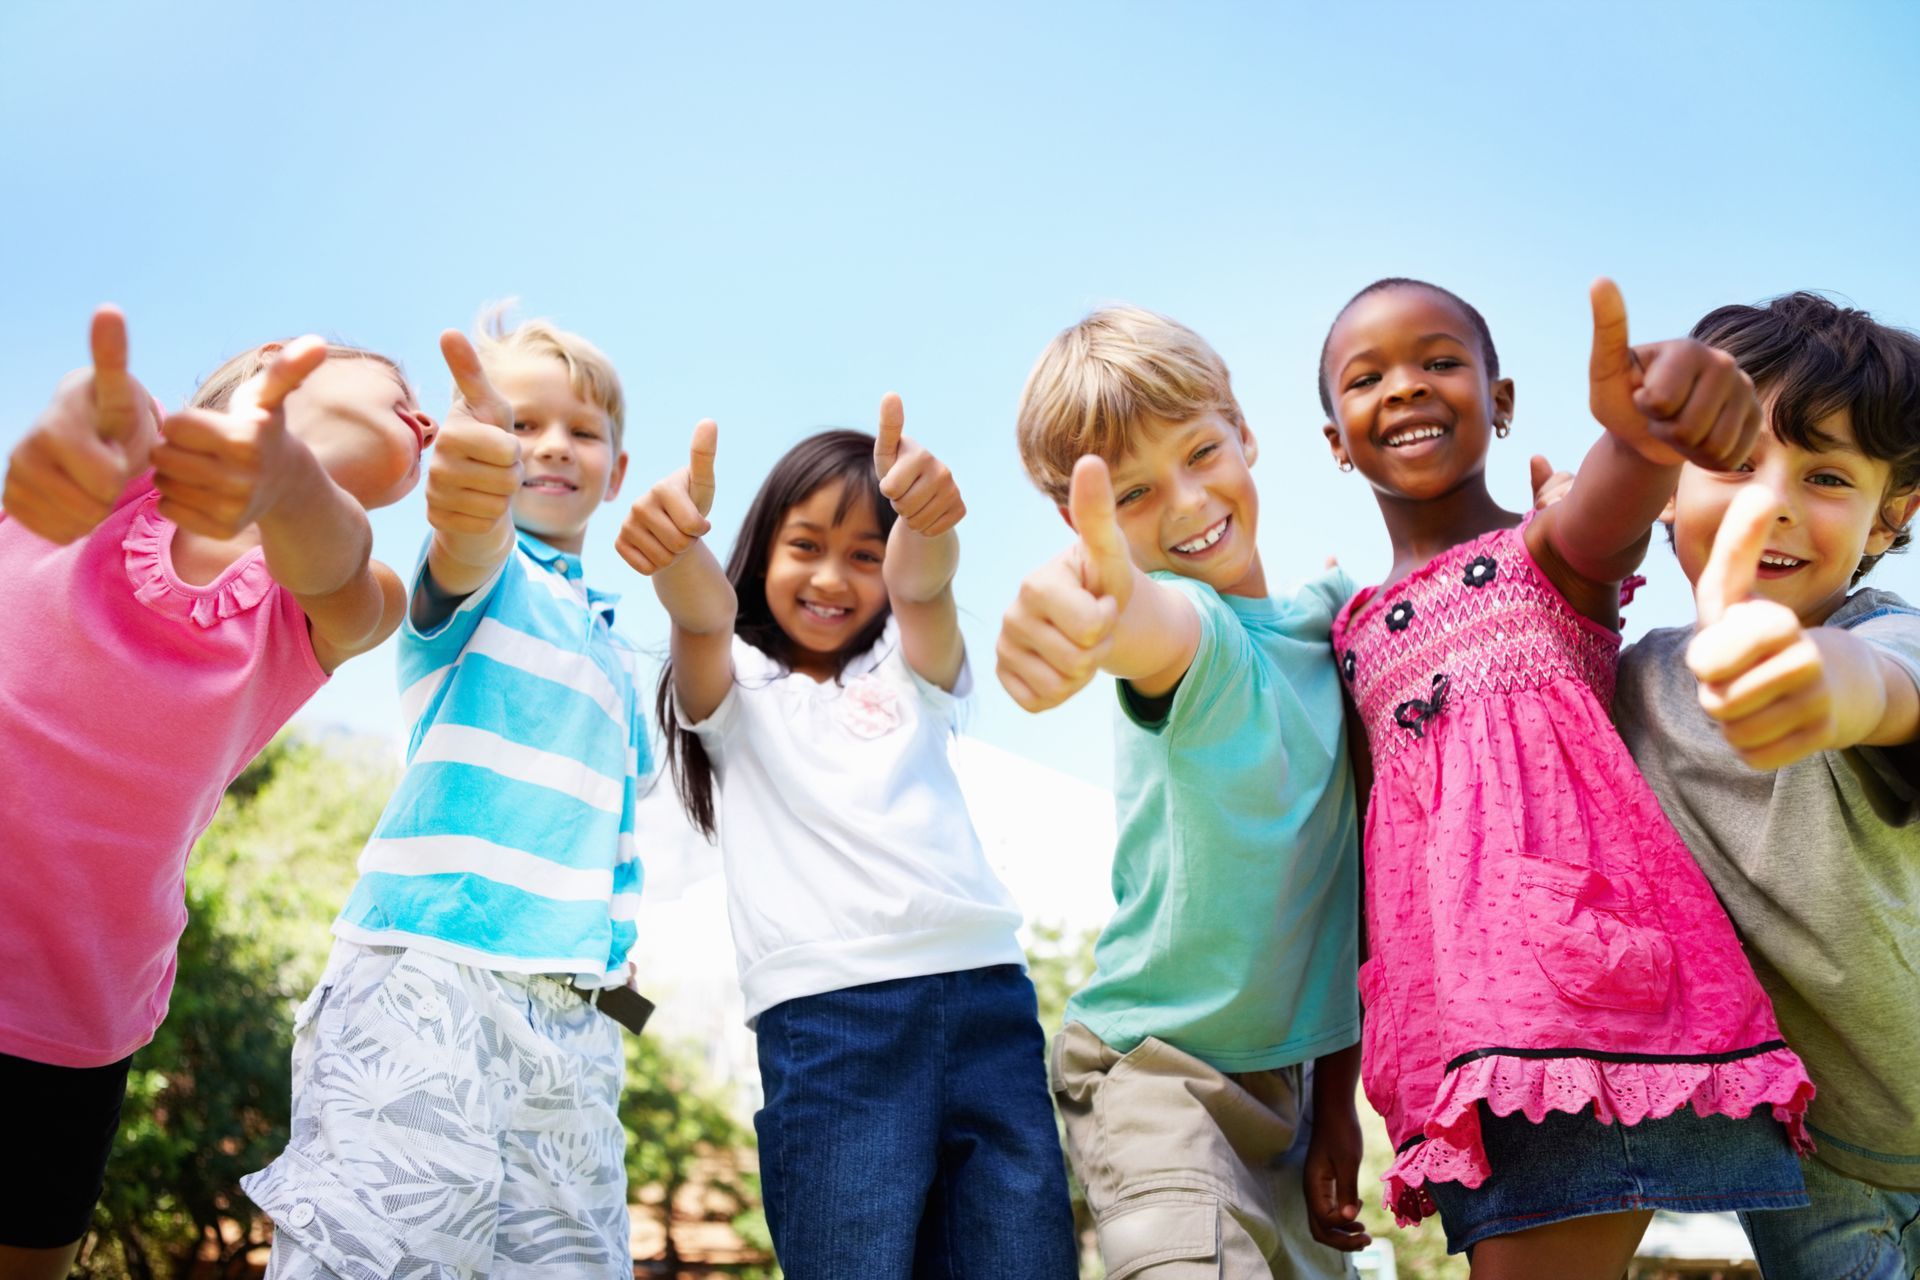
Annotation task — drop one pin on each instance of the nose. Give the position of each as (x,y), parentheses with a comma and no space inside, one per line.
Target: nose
(1780,484)
(827,574)
(424,424)
(555,441)
(1407,385)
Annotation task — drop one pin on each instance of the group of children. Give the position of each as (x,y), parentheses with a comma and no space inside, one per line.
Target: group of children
(1612,918)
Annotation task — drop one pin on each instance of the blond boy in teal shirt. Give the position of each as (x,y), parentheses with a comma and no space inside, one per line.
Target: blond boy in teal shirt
(1230,961)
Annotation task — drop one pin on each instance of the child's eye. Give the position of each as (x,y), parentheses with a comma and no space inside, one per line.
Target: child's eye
(1444,362)
(866,557)
(1828,480)
(805,545)
(1203,451)
(1132,495)
(1364,380)
(585,433)
(519,426)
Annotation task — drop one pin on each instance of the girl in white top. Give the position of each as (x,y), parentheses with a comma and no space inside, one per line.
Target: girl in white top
(807,709)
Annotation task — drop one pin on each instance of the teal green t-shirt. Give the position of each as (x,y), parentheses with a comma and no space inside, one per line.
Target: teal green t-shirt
(1237,868)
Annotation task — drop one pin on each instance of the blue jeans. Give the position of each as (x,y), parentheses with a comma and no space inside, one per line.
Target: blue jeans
(1851,1231)
(908,1132)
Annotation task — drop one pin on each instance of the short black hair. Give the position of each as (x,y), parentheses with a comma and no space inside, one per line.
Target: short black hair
(1815,357)
(1474,317)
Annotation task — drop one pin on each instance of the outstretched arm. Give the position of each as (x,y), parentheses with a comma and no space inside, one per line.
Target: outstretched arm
(1780,691)
(220,471)
(1091,609)
(923,551)
(471,483)
(1662,404)
(71,468)
(663,537)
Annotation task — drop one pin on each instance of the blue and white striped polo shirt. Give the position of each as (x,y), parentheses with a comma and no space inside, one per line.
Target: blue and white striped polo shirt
(509,841)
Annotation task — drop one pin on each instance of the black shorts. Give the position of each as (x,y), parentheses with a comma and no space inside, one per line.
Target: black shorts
(56,1127)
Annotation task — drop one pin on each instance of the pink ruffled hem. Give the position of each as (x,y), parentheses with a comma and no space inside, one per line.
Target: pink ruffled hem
(145,551)
(1626,1092)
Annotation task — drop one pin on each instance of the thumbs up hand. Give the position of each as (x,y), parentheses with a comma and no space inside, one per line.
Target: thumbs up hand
(919,486)
(1549,485)
(1060,628)
(65,476)
(667,520)
(1780,692)
(475,472)
(219,471)
(1671,402)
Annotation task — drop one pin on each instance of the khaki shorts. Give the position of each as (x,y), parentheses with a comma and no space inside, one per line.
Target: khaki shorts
(1185,1166)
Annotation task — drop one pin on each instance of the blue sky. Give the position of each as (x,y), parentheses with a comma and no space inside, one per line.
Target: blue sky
(773,214)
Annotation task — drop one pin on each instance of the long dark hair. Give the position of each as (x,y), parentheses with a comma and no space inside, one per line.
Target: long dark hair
(844,458)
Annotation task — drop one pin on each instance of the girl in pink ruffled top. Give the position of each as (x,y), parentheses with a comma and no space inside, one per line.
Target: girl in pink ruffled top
(172,589)
(1562,1031)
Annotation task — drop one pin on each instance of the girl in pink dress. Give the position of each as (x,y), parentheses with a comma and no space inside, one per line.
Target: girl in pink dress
(1561,1029)
(172,589)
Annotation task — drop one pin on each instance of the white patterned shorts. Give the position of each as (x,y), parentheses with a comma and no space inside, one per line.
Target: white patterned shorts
(449,1123)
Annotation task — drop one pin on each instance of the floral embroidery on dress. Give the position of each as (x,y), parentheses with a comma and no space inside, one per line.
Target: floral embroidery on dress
(1481,570)
(1349,665)
(869,707)
(1400,616)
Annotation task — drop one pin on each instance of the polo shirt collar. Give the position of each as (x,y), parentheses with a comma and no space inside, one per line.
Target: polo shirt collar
(568,566)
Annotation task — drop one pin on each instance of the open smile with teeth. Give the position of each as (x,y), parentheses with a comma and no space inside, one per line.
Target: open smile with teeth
(1414,433)
(823,612)
(1194,546)
(1778,560)
(548,484)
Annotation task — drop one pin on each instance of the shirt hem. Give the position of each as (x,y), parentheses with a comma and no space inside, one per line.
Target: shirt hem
(51,1053)
(813,969)
(1269,1059)
(589,973)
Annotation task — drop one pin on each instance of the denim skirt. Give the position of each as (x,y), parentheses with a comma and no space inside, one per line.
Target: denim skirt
(1574,1166)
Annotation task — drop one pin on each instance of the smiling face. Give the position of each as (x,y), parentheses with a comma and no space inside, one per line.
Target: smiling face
(1835,510)
(1186,502)
(358,416)
(567,452)
(823,582)
(1414,403)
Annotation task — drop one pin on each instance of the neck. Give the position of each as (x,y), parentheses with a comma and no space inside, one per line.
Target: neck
(1252,584)
(199,559)
(1423,528)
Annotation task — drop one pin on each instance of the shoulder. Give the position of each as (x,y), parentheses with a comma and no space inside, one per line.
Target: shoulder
(1318,601)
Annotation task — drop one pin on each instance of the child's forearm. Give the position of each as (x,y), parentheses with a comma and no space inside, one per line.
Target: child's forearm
(316,538)
(696,594)
(1600,529)
(919,569)
(1875,702)
(1335,1077)
(1154,639)
(461,563)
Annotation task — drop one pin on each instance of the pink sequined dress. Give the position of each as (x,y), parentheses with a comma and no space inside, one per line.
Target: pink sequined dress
(1540,938)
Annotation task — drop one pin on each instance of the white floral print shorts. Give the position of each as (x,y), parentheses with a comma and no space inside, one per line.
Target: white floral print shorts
(449,1123)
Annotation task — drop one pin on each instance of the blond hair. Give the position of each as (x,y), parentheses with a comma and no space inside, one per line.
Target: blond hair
(589,372)
(1098,383)
(216,389)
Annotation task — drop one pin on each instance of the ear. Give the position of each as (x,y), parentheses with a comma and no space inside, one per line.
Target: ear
(1249,445)
(1335,445)
(1895,512)
(1503,399)
(1066,516)
(1670,512)
(615,476)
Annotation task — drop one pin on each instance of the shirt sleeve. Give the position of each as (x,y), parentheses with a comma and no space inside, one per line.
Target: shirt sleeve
(1892,627)
(452,633)
(1221,659)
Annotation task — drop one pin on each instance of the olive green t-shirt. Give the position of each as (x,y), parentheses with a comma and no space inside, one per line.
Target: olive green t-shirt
(1236,875)
(1818,864)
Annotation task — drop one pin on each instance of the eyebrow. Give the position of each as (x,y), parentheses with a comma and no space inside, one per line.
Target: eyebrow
(1372,353)
(811,526)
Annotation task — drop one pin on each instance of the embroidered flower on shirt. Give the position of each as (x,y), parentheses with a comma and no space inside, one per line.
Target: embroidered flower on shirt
(1399,616)
(1347,665)
(869,708)
(1481,571)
